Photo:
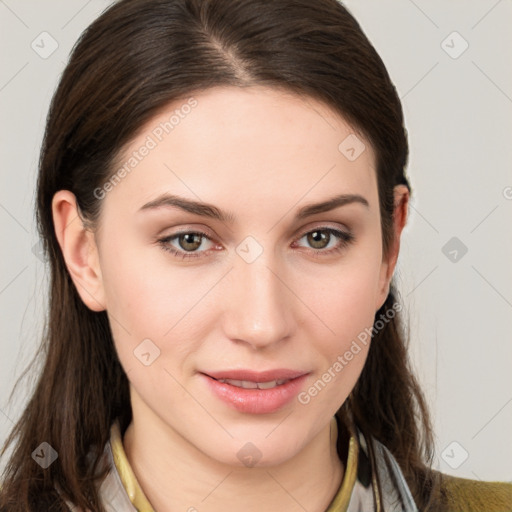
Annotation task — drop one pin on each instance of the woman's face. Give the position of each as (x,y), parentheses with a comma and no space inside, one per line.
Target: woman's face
(264,288)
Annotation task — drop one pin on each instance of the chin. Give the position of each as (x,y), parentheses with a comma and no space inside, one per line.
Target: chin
(264,454)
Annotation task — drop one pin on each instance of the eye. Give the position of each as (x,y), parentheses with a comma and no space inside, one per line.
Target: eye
(188,242)
(320,240)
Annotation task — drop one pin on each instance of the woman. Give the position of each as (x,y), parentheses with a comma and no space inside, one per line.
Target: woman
(221,197)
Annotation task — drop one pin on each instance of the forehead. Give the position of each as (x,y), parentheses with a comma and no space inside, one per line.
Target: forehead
(251,146)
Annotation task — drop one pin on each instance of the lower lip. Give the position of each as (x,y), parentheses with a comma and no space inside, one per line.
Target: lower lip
(256,401)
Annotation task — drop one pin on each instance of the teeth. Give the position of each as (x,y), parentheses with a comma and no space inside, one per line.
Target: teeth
(267,385)
(246,384)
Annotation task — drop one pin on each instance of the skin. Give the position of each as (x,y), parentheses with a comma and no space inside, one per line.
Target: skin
(260,154)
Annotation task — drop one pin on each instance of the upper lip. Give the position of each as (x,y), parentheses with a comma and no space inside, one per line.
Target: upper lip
(253,376)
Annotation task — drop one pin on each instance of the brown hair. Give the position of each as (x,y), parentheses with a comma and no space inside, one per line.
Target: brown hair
(135,59)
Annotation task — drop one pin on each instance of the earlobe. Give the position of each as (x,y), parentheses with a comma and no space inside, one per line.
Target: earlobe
(401,203)
(79,250)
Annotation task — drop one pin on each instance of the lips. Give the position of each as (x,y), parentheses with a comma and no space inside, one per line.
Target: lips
(256,392)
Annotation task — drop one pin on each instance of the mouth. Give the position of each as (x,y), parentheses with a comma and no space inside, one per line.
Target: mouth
(255,393)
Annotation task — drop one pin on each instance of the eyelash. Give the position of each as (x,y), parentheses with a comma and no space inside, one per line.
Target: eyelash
(345,240)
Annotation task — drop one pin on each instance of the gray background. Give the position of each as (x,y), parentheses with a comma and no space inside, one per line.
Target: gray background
(458,107)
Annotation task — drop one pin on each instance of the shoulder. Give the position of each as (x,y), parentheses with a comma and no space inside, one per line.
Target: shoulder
(466,495)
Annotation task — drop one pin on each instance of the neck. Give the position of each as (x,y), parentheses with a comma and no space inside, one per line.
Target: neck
(177,476)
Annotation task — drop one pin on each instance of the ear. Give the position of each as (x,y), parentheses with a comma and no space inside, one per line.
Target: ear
(401,202)
(79,250)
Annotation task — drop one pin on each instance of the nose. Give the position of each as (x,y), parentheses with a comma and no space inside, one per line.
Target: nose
(259,307)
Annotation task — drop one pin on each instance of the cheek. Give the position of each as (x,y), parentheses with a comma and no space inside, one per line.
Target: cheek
(343,296)
(143,300)
(346,307)
(150,298)
(350,315)
(145,305)
(144,293)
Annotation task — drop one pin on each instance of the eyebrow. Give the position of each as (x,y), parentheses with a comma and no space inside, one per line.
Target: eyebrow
(211,211)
